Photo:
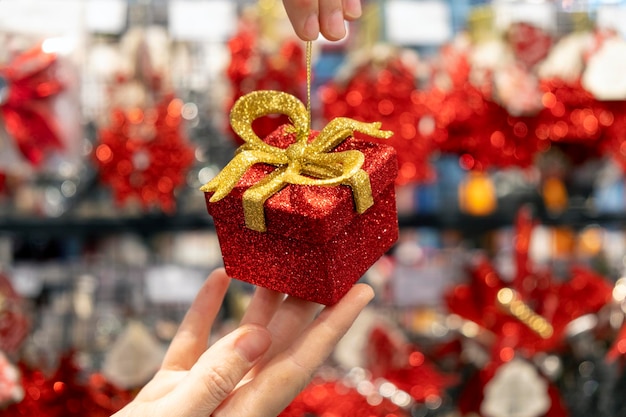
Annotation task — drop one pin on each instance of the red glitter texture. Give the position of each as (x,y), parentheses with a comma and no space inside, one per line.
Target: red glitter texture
(316,245)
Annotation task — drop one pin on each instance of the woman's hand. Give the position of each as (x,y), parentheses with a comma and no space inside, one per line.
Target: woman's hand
(254,371)
(309,18)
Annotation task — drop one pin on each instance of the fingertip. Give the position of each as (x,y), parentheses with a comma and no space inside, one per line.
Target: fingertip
(333,25)
(218,276)
(363,292)
(352,9)
(310,28)
(253,341)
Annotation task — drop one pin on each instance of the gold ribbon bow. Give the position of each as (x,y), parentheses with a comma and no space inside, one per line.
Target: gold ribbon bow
(302,163)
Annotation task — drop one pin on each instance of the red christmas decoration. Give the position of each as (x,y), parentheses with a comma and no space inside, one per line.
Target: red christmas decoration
(387,91)
(143,154)
(253,68)
(401,363)
(338,399)
(508,311)
(476,127)
(27,85)
(302,212)
(525,317)
(66,393)
(316,245)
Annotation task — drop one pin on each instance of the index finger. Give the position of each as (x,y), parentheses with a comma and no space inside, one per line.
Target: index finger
(192,337)
(278,382)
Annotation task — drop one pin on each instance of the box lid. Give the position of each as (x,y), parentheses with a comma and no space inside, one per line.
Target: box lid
(314,213)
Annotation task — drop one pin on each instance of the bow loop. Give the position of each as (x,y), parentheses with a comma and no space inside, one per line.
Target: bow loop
(302,163)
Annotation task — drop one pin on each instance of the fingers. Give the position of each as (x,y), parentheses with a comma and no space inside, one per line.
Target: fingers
(331,18)
(193,333)
(289,322)
(352,9)
(310,17)
(285,318)
(263,306)
(289,372)
(217,372)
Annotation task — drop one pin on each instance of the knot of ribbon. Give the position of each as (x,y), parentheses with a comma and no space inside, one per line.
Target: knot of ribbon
(302,163)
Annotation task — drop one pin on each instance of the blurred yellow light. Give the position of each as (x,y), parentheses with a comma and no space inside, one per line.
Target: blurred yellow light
(477,194)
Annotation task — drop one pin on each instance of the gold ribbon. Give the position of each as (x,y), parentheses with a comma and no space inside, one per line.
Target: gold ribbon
(510,301)
(302,163)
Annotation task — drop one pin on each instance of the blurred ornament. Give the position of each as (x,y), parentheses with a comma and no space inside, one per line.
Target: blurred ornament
(603,76)
(516,389)
(381,85)
(477,194)
(531,314)
(398,362)
(527,317)
(11,390)
(133,358)
(254,66)
(65,394)
(143,152)
(554,195)
(14,324)
(529,43)
(344,398)
(144,155)
(27,84)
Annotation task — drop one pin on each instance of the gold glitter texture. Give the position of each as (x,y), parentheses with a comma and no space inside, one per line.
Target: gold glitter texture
(302,163)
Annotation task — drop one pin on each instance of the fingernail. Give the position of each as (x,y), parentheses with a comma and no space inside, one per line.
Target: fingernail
(253,342)
(336,25)
(352,9)
(311,29)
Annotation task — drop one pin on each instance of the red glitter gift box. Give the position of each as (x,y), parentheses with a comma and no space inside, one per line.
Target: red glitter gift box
(316,244)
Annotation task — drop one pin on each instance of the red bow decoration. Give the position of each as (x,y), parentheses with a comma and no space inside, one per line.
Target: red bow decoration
(531,314)
(27,84)
(524,317)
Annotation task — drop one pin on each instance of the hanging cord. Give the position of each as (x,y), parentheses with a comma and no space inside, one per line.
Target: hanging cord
(308,80)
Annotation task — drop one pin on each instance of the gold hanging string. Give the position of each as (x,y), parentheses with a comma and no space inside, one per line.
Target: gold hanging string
(309,47)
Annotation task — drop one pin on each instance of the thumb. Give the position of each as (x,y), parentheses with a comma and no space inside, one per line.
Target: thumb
(218,371)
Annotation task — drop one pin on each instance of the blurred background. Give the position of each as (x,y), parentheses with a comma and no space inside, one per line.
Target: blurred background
(503,296)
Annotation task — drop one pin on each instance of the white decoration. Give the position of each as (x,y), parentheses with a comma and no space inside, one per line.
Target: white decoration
(202,20)
(604,76)
(565,60)
(426,22)
(11,390)
(134,358)
(516,390)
